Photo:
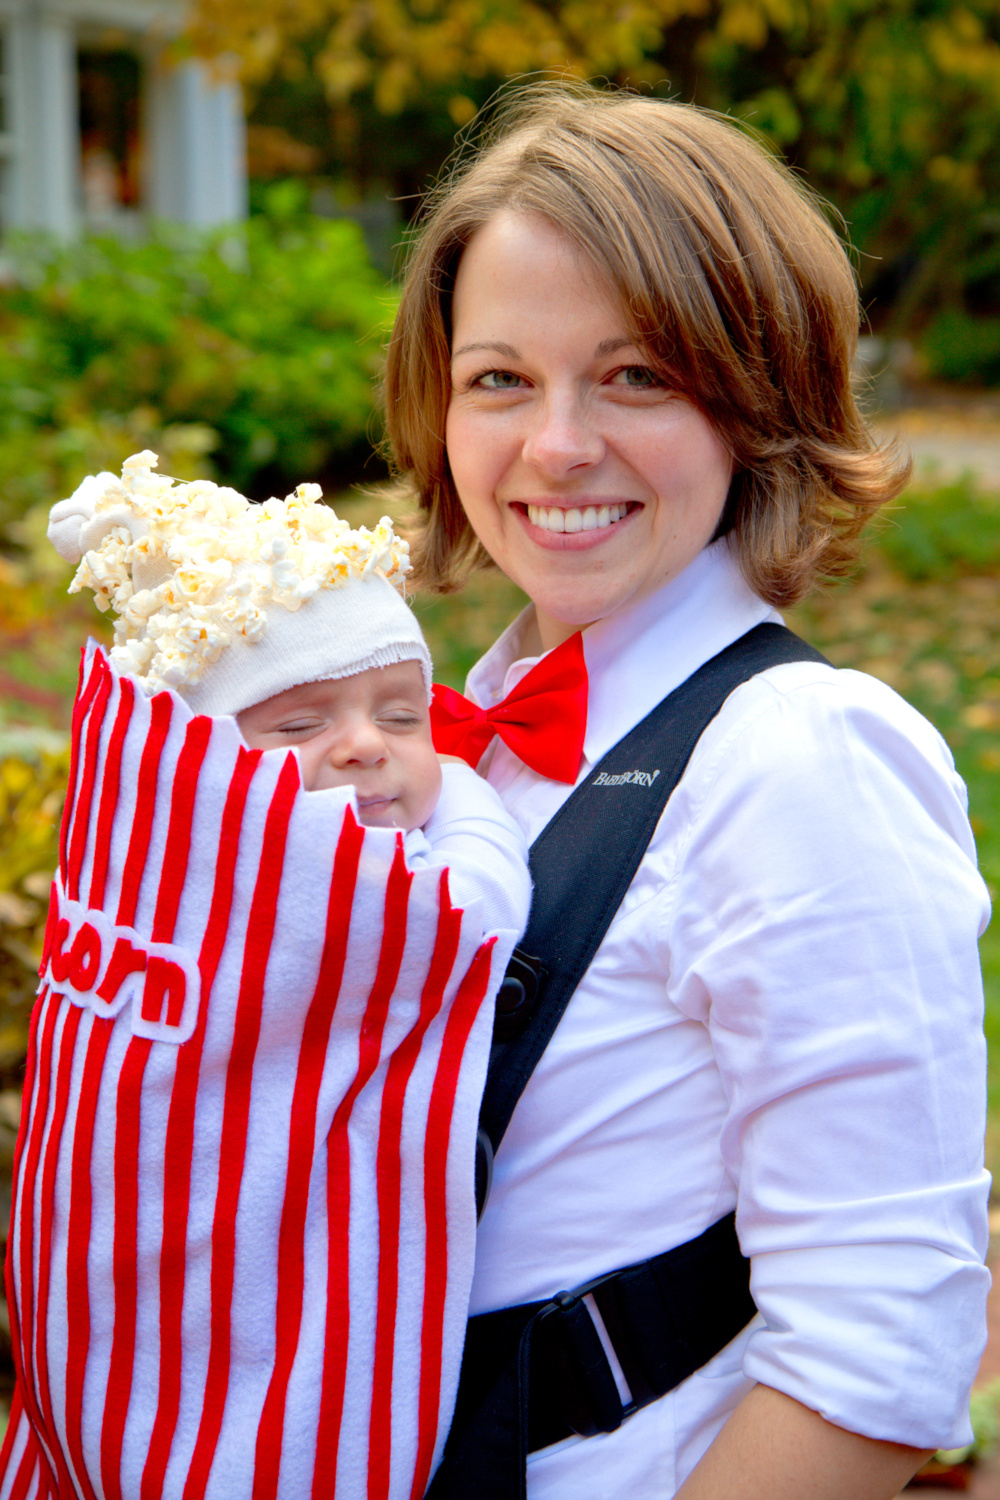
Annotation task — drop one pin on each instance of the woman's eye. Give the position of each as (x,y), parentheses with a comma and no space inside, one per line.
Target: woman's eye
(499,380)
(638,378)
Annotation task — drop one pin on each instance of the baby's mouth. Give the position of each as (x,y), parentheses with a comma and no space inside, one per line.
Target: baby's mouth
(375,804)
(584,518)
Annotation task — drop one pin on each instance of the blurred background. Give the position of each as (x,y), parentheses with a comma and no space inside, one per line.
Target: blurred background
(202,209)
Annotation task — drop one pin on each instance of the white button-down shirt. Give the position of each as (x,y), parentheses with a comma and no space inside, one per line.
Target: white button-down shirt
(786,1018)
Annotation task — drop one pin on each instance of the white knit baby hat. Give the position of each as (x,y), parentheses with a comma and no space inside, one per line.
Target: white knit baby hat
(228,602)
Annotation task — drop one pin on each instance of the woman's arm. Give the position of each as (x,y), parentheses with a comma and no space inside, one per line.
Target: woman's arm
(774,1448)
(824,926)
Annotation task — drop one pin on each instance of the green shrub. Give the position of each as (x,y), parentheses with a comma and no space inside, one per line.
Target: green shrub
(961,347)
(943,532)
(249,355)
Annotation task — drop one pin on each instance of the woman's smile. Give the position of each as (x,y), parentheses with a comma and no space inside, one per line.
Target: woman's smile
(578,520)
(588,479)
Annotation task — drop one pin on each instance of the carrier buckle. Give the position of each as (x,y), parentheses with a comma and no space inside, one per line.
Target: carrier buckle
(567,1351)
(517,996)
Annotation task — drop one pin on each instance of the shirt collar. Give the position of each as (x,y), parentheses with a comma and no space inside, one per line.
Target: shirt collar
(503,666)
(642,652)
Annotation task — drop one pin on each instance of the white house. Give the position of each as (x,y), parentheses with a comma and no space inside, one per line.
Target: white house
(100,128)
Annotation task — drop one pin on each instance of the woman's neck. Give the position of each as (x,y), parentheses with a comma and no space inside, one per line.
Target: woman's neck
(543,633)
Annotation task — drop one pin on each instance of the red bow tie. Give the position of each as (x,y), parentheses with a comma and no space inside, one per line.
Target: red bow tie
(543,720)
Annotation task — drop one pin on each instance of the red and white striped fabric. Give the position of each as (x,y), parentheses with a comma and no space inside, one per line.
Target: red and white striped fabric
(243,1226)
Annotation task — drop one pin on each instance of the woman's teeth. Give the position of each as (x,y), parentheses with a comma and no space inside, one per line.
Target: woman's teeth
(591,518)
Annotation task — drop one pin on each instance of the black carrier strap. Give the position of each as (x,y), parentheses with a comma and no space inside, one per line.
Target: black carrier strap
(532,1375)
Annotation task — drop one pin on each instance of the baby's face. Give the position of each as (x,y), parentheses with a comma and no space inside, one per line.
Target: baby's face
(371,731)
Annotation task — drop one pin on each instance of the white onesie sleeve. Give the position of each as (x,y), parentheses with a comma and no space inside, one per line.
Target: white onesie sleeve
(471,833)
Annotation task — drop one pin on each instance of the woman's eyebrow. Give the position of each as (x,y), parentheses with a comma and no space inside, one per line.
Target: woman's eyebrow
(611,346)
(604,348)
(507,350)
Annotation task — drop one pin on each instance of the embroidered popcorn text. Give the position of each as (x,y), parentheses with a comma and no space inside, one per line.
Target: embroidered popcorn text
(103,967)
(626,778)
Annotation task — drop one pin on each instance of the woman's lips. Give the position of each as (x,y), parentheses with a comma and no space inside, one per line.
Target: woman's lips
(574,527)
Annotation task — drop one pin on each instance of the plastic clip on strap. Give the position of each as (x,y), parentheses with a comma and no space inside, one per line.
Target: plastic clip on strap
(515,1002)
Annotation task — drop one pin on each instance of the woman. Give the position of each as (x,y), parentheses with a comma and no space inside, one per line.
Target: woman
(621,371)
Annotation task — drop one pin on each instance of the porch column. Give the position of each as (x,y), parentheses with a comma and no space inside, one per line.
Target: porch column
(197,147)
(44,102)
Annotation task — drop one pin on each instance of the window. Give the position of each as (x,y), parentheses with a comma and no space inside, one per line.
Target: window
(109,132)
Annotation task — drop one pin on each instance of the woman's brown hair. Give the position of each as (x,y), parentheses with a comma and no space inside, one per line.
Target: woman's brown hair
(729,276)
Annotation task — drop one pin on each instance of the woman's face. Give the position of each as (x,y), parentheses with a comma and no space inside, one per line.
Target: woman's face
(588,481)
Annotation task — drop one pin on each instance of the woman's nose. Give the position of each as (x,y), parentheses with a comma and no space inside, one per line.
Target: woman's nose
(563,437)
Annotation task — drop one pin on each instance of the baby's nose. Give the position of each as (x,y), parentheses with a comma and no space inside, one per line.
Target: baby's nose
(359,743)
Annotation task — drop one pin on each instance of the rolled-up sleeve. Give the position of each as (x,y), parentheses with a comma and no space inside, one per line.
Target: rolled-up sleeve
(824,926)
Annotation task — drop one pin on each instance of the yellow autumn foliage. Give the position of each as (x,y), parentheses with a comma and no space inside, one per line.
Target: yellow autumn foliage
(34,765)
(861,96)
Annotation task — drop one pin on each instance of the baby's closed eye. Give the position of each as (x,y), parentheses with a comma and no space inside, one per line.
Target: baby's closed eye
(300,727)
(400,719)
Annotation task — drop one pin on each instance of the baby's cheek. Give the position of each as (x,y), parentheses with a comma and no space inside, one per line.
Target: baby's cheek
(427,789)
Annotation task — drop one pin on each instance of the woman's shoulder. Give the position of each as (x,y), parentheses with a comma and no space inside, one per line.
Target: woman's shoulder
(820,809)
(815,709)
(807,741)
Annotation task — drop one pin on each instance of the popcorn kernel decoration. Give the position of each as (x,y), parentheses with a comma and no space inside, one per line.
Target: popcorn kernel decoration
(189,568)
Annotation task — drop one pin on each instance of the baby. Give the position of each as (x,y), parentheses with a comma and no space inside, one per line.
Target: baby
(283,617)
(244,1221)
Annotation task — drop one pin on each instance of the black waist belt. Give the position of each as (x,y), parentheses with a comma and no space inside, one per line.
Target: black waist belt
(534,1374)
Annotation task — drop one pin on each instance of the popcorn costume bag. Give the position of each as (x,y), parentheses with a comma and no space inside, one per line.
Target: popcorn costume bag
(243,1226)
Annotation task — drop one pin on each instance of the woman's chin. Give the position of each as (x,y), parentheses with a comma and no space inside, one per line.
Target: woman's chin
(559,613)
(572,579)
